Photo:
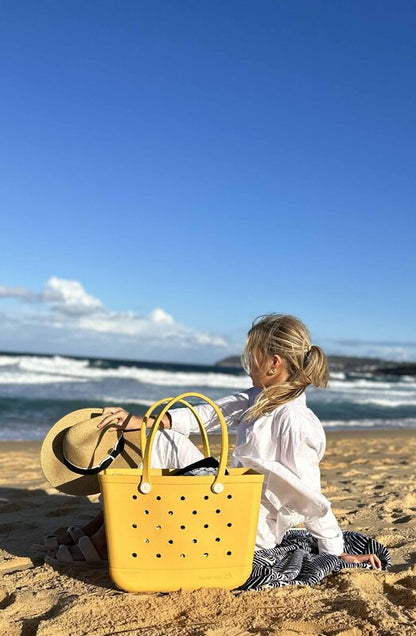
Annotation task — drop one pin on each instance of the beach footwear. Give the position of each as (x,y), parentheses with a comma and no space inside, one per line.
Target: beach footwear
(65,559)
(51,541)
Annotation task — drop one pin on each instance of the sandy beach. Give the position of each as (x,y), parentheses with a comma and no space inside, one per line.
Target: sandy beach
(369,476)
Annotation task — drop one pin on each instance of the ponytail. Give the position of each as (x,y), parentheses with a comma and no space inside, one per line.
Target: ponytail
(316,367)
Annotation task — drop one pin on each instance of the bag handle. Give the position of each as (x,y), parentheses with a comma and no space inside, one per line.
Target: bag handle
(145,483)
(143,439)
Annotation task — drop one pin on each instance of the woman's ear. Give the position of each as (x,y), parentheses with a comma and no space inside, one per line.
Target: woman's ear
(276,362)
(274,365)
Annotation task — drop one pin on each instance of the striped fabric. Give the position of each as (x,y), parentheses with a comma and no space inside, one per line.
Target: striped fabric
(296,561)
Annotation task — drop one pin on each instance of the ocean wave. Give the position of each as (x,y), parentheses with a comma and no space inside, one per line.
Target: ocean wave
(109,400)
(41,370)
(387,402)
(409,422)
(374,385)
(28,369)
(6,361)
(34,378)
(186,379)
(86,370)
(337,375)
(408,379)
(386,399)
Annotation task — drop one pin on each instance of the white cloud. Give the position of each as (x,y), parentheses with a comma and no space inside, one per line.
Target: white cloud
(69,297)
(150,329)
(158,315)
(65,296)
(69,317)
(22,293)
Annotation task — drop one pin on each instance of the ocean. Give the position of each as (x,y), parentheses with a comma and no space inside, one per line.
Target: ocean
(37,390)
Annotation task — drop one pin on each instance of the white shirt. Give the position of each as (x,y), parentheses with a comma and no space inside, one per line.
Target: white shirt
(286,446)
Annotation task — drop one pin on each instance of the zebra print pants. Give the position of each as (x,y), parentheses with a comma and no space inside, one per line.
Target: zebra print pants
(296,561)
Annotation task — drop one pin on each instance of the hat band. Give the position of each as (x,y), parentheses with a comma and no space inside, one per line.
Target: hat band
(105,463)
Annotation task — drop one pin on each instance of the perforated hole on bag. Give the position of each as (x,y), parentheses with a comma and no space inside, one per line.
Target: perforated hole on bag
(182,556)
(182,498)
(158,527)
(194,512)
(170,512)
(134,554)
(158,556)
(183,527)
(158,497)
(134,525)
(134,497)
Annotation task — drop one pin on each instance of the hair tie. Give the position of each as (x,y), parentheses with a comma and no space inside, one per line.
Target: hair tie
(307,354)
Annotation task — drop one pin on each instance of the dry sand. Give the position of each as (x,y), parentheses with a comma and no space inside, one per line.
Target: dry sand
(370,479)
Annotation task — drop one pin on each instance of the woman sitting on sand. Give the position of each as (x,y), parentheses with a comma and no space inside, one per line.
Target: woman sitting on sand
(277,435)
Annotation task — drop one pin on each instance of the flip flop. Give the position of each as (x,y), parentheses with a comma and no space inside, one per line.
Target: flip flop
(51,541)
(65,559)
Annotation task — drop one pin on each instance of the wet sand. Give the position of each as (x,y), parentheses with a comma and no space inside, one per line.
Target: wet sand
(369,476)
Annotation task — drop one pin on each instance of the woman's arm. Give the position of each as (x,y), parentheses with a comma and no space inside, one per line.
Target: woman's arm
(122,419)
(232,407)
(182,420)
(327,532)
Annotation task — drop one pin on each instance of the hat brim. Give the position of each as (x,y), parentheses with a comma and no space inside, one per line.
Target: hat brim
(53,463)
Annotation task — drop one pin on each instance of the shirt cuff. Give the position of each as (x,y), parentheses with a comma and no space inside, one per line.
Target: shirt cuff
(327,533)
(331,546)
(180,421)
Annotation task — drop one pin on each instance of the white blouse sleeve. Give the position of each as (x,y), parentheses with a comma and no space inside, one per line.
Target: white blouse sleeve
(233,407)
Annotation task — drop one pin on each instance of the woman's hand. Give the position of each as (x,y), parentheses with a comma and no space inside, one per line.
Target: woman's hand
(121,419)
(362,558)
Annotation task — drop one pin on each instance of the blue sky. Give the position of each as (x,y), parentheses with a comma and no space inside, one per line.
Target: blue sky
(172,169)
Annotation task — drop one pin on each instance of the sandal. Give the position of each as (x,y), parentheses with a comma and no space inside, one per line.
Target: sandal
(51,541)
(65,559)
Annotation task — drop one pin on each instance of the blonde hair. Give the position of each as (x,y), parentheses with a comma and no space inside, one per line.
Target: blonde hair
(287,337)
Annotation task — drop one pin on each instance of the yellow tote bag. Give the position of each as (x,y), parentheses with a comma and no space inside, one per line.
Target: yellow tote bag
(167,532)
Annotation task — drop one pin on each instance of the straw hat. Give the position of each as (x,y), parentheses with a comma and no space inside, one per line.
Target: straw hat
(75,451)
